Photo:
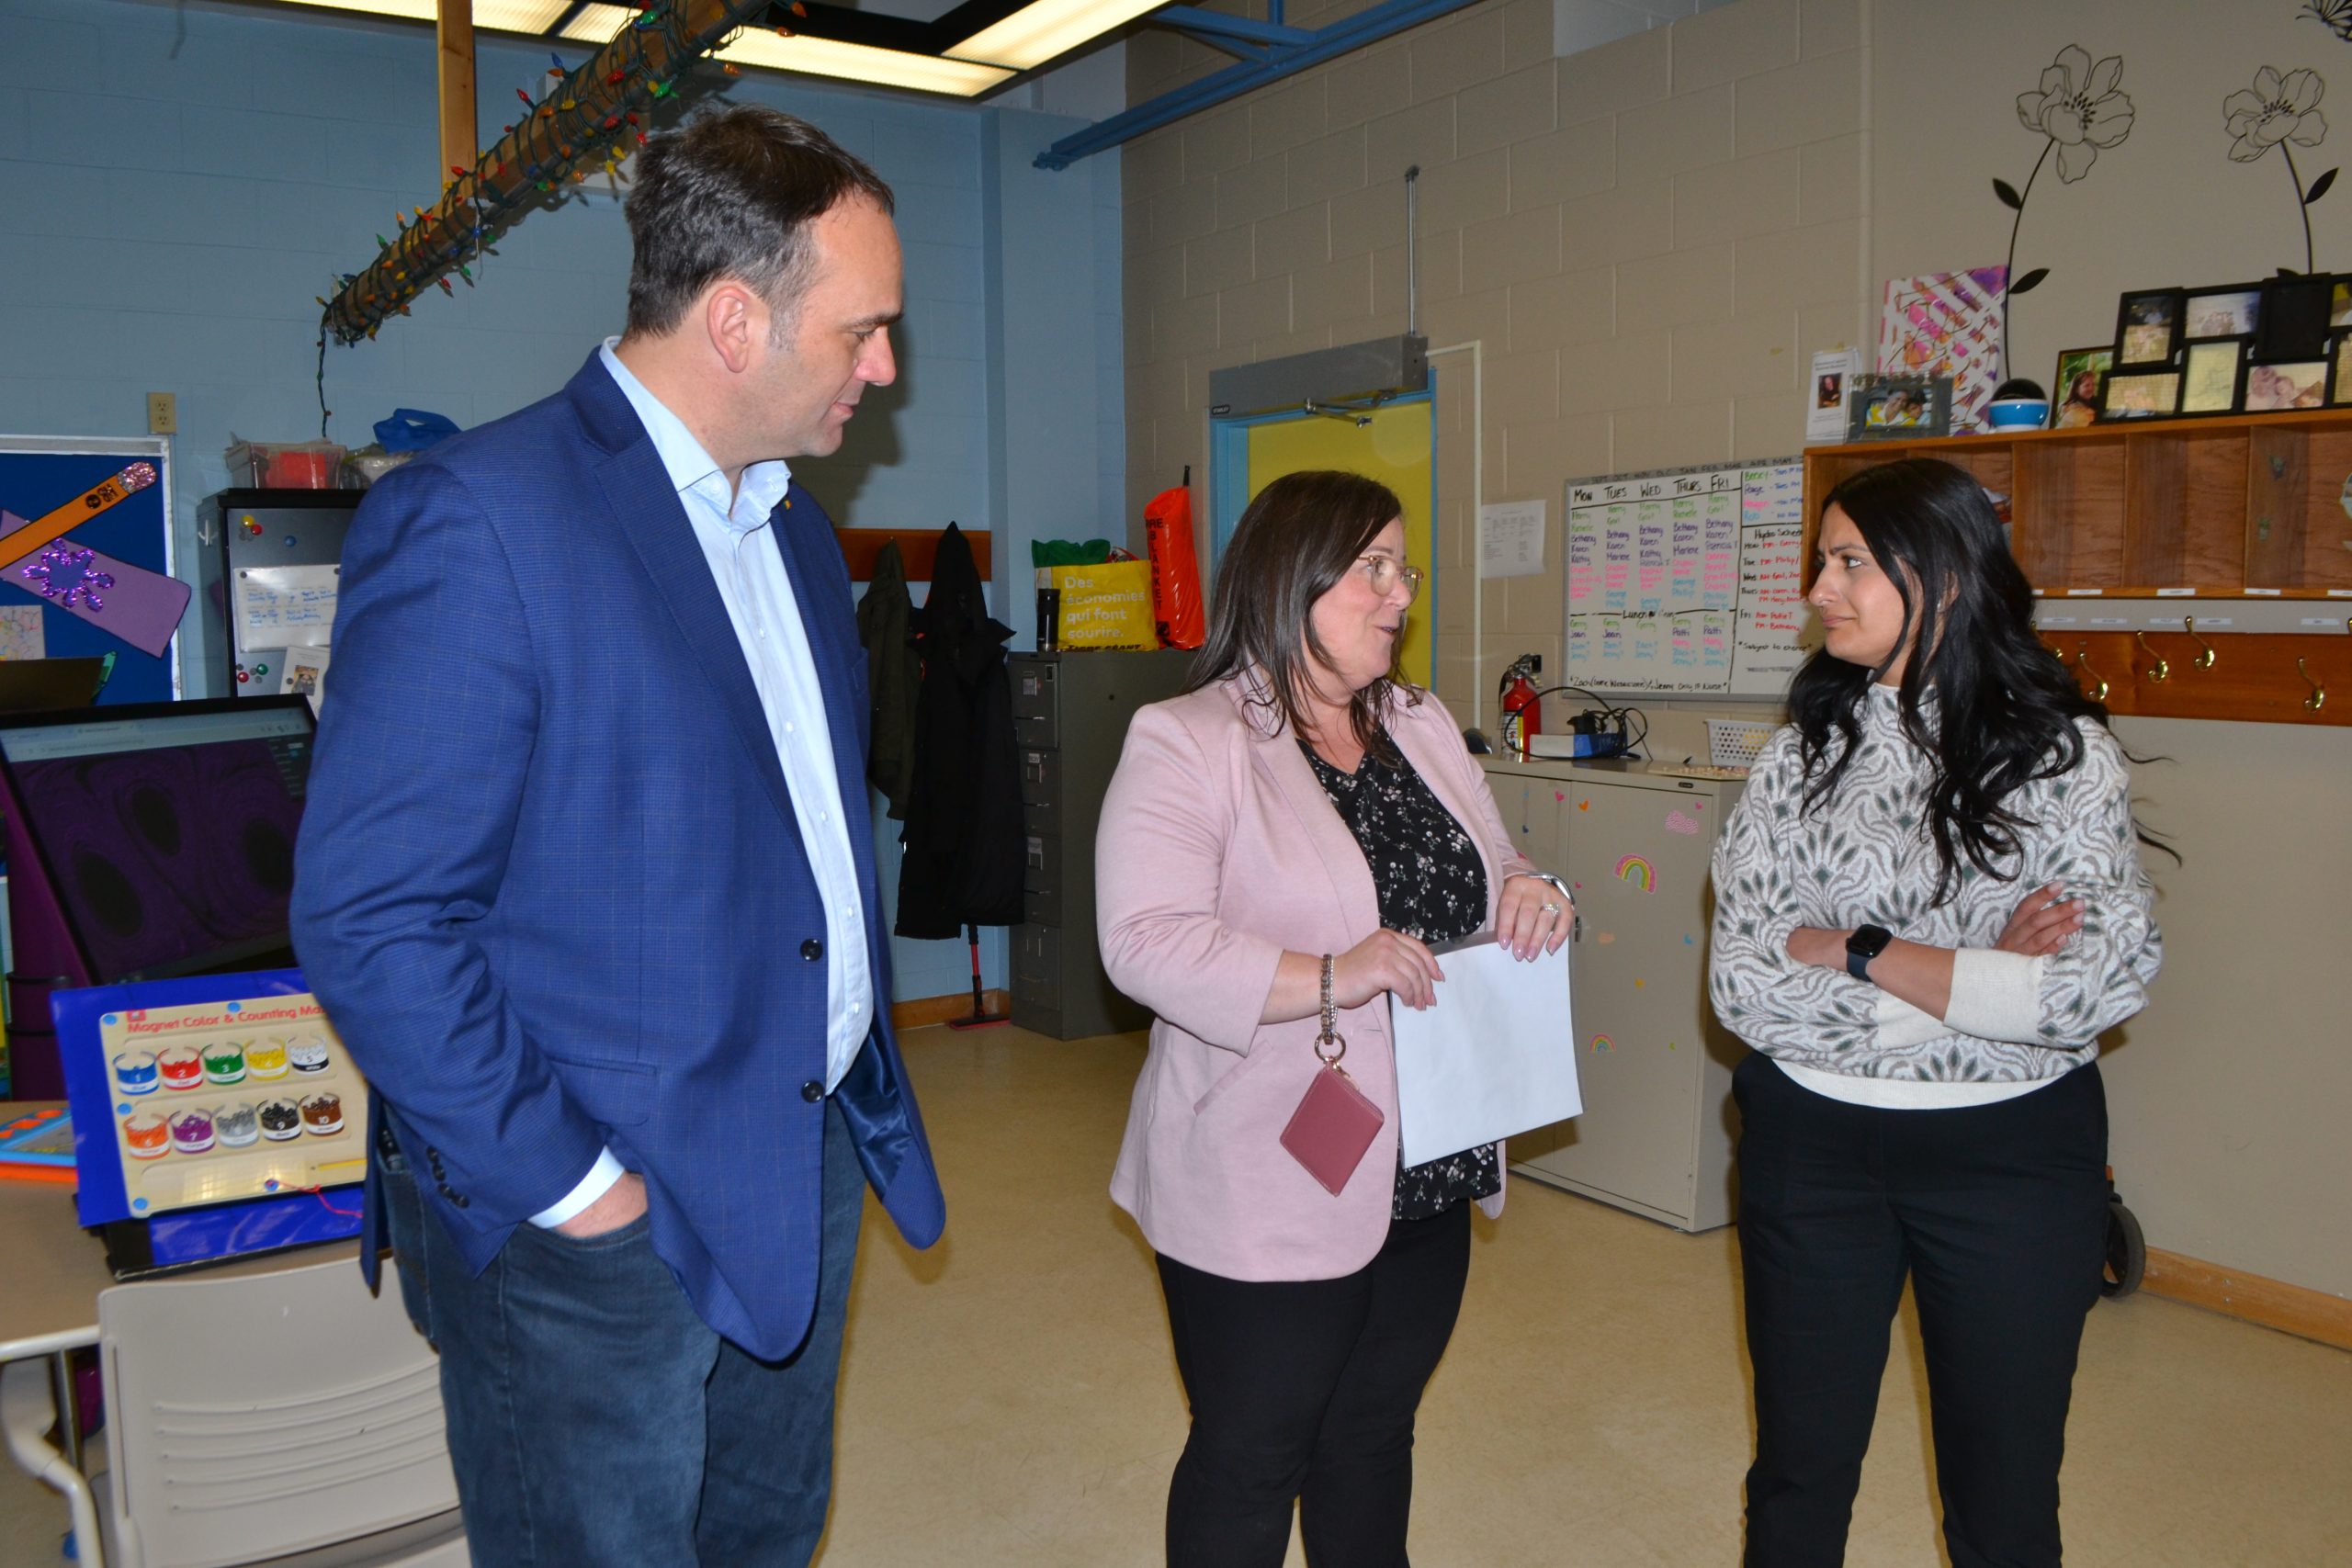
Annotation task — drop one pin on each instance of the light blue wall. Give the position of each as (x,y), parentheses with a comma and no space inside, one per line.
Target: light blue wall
(177,183)
(1055,353)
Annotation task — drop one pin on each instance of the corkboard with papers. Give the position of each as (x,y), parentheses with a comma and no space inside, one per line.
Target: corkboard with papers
(1688,581)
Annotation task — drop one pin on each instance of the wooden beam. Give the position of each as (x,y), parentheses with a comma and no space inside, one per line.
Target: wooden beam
(923,1012)
(2273,1303)
(452,32)
(917,546)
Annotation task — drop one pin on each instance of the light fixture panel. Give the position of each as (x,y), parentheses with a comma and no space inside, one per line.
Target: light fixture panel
(861,62)
(598,24)
(1048,30)
(518,15)
(499,15)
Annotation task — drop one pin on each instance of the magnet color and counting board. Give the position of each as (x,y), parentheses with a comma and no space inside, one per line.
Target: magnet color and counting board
(183,1098)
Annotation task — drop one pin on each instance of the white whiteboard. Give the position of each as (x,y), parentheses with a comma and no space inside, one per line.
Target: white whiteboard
(1688,581)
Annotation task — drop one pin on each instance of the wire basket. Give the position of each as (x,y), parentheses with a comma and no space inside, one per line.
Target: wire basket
(1734,742)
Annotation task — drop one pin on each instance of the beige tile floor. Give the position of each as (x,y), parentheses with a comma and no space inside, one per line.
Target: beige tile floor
(1009,1402)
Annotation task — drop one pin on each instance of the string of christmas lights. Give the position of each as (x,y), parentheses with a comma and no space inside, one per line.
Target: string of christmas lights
(586,118)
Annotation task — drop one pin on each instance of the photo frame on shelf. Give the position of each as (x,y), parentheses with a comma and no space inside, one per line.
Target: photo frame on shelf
(2147,327)
(2339,386)
(2073,389)
(2295,315)
(2213,375)
(2275,386)
(1898,408)
(2140,394)
(2228,312)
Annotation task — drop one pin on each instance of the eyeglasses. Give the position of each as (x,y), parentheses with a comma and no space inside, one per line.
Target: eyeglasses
(1383,573)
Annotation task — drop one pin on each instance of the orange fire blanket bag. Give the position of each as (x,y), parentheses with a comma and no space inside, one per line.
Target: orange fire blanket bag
(1175,571)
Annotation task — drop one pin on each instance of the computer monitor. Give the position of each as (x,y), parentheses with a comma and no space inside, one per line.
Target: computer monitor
(161,835)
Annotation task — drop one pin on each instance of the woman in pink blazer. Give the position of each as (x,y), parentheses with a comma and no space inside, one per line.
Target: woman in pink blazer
(1289,837)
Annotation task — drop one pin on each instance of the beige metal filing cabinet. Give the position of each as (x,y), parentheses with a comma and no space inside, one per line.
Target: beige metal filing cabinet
(1657,1133)
(1070,719)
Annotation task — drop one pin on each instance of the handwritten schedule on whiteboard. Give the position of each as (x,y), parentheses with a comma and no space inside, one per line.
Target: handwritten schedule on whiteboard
(1688,580)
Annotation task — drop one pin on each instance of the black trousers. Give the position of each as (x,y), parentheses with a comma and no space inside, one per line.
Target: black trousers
(1999,1214)
(1304,1391)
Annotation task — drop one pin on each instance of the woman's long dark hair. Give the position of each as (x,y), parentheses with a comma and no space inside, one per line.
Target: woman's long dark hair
(2005,708)
(1296,541)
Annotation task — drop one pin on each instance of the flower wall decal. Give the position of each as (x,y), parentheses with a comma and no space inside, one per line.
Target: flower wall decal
(2276,111)
(2077,111)
(2335,15)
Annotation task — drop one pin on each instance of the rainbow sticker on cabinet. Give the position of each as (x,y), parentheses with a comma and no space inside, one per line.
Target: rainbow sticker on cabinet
(1637,871)
(1603,1046)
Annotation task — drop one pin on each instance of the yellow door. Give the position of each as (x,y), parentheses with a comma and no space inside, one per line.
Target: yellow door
(1395,448)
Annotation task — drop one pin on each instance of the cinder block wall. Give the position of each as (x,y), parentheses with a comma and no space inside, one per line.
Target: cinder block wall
(1648,237)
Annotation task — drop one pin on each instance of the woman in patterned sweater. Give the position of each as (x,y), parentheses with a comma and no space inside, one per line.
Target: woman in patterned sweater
(1929,904)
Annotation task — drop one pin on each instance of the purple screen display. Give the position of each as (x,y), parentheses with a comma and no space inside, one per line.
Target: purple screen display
(163,856)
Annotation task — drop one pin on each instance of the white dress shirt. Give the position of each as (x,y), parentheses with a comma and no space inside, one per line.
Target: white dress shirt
(748,567)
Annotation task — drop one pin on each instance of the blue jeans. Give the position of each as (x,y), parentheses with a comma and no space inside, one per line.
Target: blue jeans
(594,1419)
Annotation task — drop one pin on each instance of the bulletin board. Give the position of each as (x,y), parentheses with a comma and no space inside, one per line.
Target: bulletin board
(1397,446)
(1688,581)
(86,531)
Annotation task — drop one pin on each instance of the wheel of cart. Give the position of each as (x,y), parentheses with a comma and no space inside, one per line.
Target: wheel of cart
(2127,1249)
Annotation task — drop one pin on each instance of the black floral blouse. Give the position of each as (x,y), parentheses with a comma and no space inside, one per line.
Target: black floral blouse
(1431,887)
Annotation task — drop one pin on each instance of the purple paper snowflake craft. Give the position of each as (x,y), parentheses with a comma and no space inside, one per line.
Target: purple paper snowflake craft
(64,574)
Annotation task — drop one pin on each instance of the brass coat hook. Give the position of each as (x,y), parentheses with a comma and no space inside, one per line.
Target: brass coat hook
(2204,659)
(2318,699)
(2161,669)
(2082,661)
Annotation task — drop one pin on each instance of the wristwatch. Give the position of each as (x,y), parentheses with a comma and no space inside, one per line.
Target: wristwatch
(1866,943)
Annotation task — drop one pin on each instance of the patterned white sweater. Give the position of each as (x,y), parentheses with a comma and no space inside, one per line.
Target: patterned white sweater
(1865,857)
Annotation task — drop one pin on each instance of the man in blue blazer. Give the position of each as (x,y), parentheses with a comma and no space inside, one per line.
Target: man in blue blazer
(586,882)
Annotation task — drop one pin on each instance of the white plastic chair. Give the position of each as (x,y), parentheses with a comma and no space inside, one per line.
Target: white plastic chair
(288,1417)
(26,1414)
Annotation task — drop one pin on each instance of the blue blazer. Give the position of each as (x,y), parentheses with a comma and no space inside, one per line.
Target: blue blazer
(550,886)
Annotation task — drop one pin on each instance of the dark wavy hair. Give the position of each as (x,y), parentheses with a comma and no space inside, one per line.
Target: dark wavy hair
(2005,708)
(1296,541)
(732,194)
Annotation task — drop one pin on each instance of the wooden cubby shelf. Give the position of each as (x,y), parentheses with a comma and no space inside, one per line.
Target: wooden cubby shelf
(2230,508)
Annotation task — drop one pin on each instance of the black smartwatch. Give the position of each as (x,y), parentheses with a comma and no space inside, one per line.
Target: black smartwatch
(1866,943)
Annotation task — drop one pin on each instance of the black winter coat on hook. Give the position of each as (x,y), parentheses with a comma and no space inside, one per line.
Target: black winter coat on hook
(963,837)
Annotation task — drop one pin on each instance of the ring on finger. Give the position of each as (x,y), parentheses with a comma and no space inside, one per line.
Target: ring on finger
(1551,909)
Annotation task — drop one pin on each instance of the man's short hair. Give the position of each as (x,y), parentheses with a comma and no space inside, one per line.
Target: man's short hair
(732,194)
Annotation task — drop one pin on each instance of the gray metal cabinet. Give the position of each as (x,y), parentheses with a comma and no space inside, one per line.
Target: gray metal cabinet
(1657,1129)
(1069,719)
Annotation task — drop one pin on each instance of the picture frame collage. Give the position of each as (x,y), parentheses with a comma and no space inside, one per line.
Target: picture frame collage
(2280,344)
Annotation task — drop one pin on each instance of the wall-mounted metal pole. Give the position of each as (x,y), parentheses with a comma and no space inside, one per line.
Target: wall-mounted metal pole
(1412,249)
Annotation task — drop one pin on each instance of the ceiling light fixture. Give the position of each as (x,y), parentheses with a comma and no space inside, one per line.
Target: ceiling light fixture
(1048,30)
(597,24)
(862,62)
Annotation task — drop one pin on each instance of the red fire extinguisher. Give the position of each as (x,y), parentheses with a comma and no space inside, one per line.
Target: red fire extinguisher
(1523,713)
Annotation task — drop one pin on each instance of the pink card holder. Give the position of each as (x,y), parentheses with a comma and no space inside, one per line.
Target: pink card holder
(1332,1128)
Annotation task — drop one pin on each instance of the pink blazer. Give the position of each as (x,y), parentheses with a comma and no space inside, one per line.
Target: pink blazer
(1217,852)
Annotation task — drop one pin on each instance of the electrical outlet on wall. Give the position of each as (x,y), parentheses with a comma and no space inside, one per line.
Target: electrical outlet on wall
(163,414)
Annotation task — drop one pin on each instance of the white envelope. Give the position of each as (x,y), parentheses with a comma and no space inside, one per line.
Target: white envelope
(1495,1056)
